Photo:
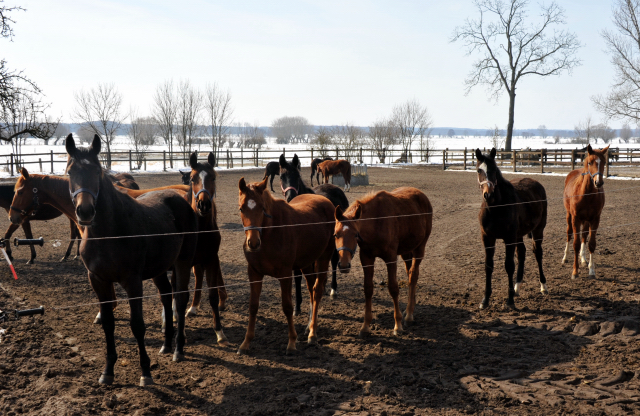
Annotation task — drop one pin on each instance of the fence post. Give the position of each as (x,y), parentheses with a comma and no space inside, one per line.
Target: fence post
(227,158)
(337,154)
(312,154)
(164,160)
(145,163)
(513,159)
(361,155)
(573,159)
(284,152)
(241,157)
(40,162)
(231,154)
(464,163)
(444,158)
(542,160)
(130,167)
(52,162)
(11,164)
(256,158)
(606,157)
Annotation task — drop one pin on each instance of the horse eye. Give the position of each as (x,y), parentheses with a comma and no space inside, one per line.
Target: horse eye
(240,209)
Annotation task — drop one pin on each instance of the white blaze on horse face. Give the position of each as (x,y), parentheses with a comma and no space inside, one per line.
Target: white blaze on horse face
(345,228)
(251,204)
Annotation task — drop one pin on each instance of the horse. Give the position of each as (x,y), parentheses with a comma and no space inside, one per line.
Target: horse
(584,201)
(614,154)
(509,211)
(314,168)
(281,237)
(292,185)
(35,212)
(272,169)
(333,167)
(123,179)
(385,225)
(108,217)
(186,176)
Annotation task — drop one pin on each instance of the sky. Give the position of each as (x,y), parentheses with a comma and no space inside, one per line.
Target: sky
(333,62)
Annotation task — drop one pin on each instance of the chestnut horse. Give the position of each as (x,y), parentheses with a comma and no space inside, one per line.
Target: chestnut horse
(333,167)
(280,237)
(292,185)
(314,168)
(584,201)
(385,225)
(509,211)
(108,215)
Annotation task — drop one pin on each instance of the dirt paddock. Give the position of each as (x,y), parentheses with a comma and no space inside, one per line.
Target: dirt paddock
(574,351)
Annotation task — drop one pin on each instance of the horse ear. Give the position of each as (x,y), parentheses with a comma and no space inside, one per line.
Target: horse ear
(211,159)
(296,162)
(338,214)
(242,185)
(193,160)
(95,145)
(605,149)
(262,185)
(70,145)
(492,155)
(25,173)
(479,155)
(589,149)
(282,161)
(358,212)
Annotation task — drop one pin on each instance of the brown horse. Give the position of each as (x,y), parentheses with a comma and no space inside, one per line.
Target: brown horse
(333,167)
(385,225)
(161,227)
(509,211)
(281,237)
(584,201)
(314,168)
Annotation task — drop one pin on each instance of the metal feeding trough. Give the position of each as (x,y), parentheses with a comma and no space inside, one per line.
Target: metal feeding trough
(359,176)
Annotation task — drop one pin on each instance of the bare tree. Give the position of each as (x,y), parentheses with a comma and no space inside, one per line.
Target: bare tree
(165,111)
(625,133)
(604,132)
(217,105)
(189,108)
(542,131)
(349,138)
(512,49)
(142,132)
(254,136)
(584,131)
(382,137)
(100,109)
(291,130)
(623,44)
(497,137)
(412,121)
(62,131)
(85,133)
(323,139)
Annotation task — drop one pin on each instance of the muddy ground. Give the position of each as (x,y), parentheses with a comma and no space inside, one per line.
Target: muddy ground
(573,351)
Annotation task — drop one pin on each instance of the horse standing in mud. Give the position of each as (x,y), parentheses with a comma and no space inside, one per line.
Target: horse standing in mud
(281,237)
(334,167)
(119,246)
(584,201)
(292,185)
(509,211)
(314,168)
(385,225)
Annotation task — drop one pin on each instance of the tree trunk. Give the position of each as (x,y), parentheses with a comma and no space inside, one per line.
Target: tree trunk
(512,104)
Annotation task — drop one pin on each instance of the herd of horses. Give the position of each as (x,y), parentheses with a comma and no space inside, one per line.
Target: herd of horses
(130,235)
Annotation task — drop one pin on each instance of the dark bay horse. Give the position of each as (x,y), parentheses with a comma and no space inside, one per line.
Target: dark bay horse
(314,168)
(272,170)
(35,211)
(334,167)
(385,225)
(281,237)
(105,212)
(584,201)
(509,211)
(292,185)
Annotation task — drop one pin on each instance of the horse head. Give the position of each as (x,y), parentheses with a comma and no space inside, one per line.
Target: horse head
(202,180)
(347,235)
(253,211)
(487,173)
(594,164)
(289,177)
(85,174)
(25,199)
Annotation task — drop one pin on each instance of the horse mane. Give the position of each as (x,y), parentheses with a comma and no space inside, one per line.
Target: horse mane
(362,202)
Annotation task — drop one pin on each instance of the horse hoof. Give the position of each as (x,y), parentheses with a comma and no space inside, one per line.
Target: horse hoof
(146,381)
(97,321)
(511,305)
(177,357)
(164,350)
(544,291)
(31,261)
(297,312)
(105,379)
(484,304)
(312,340)
(333,295)
(62,260)
(364,334)
(191,312)
(243,352)
(222,306)
(291,351)
(574,276)
(407,320)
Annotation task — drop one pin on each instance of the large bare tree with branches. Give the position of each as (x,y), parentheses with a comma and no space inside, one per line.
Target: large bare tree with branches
(623,44)
(412,121)
(189,108)
(382,136)
(513,46)
(217,106)
(165,111)
(100,109)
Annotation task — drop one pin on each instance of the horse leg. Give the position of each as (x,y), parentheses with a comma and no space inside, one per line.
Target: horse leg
(212,280)
(134,292)
(255,284)
(335,258)
(413,273)
(182,272)
(98,318)
(7,236)
(287,308)
(537,250)
(367,267)
(222,290)
(26,226)
(593,230)
(321,268)
(312,172)
(310,278)
(583,245)
(407,258)
(489,250)
(198,272)
(73,230)
(522,252)
(510,267)
(297,276)
(576,246)
(394,291)
(164,287)
(104,293)
(569,235)
(271,182)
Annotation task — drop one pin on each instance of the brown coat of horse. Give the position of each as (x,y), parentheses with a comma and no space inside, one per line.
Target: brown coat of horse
(385,225)
(333,167)
(584,201)
(280,237)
